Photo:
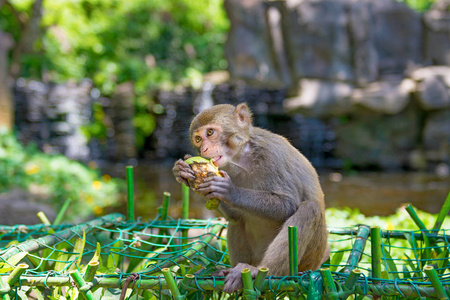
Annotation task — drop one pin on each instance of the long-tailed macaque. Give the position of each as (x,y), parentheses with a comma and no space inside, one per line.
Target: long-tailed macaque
(267,185)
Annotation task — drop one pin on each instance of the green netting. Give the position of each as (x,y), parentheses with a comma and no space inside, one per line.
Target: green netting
(175,258)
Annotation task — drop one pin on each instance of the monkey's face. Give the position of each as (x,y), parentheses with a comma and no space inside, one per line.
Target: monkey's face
(210,141)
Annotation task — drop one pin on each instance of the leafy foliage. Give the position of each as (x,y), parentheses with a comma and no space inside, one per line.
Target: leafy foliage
(150,43)
(55,177)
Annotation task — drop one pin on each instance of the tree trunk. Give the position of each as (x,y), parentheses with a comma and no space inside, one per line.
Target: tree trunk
(6,103)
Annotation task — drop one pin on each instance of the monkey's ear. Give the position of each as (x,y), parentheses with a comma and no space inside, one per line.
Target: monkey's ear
(243,115)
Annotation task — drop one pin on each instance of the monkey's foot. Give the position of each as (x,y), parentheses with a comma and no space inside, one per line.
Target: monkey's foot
(233,279)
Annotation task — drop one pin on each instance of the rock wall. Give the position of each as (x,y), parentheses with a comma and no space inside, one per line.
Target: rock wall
(375,69)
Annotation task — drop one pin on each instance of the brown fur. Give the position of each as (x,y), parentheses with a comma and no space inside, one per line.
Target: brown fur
(273,186)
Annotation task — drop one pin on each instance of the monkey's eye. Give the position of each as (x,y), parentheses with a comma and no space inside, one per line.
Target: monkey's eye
(210,132)
(198,139)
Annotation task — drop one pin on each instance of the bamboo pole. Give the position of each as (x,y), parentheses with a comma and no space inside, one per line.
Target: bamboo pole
(375,236)
(401,289)
(170,280)
(79,281)
(437,284)
(358,248)
(393,234)
(293,251)
(442,213)
(130,193)
(91,270)
(50,240)
(62,211)
(330,286)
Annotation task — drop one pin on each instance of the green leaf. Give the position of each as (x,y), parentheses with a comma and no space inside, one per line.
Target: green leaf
(405,272)
(8,266)
(114,259)
(390,264)
(78,248)
(61,261)
(336,260)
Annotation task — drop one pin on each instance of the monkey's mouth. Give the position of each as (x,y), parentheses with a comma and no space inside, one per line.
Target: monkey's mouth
(216,160)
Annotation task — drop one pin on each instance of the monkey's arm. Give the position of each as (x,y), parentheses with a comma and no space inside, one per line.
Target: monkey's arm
(270,205)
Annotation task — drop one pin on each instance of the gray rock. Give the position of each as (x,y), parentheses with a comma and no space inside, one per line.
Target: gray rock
(436,137)
(365,57)
(437,33)
(396,35)
(317,40)
(248,47)
(433,87)
(21,207)
(320,98)
(371,139)
(389,96)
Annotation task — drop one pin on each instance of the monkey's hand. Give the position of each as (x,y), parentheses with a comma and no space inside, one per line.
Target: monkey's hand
(218,187)
(233,279)
(182,171)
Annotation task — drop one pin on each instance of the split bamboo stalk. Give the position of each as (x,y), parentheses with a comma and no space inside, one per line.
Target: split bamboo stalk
(352,279)
(165,207)
(44,220)
(50,240)
(16,273)
(91,270)
(259,280)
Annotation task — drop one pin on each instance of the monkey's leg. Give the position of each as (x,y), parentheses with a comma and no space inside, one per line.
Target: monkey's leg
(240,257)
(311,240)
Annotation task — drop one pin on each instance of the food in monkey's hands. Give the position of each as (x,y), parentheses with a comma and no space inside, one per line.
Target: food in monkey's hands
(203,168)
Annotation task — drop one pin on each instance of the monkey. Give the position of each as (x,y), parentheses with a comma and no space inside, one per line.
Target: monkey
(266,185)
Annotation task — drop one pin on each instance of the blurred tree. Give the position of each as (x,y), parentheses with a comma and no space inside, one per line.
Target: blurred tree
(27,22)
(6,105)
(150,43)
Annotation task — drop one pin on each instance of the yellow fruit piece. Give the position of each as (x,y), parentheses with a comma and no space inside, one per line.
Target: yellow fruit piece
(203,168)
